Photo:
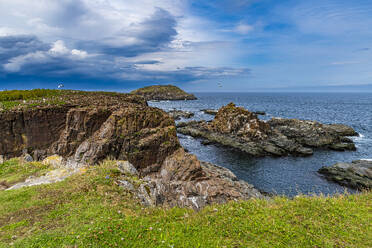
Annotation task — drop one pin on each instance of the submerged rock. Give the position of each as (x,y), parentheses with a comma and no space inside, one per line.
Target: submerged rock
(241,129)
(259,112)
(178,114)
(163,92)
(357,174)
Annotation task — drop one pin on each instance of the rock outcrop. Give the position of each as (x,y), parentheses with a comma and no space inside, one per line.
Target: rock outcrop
(120,127)
(184,181)
(238,128)
(163,92)
(356,175)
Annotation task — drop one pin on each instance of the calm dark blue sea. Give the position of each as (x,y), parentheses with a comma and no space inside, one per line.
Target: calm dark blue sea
(289,175)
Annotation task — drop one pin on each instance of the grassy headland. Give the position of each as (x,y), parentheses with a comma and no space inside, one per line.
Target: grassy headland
(90,210)
(20,99)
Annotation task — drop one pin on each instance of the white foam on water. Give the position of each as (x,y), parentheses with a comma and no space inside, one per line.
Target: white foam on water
(366,159)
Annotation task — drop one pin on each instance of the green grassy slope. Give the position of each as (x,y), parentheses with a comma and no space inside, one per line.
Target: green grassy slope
(90,210)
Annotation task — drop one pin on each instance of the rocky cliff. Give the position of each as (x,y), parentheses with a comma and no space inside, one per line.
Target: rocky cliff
(163,92)
(241,129)
(87,128)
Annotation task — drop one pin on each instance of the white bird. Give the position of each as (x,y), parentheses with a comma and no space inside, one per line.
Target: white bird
(60,86)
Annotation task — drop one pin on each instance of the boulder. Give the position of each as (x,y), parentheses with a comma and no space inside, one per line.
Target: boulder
(178,114)
(55,161)
(127,168)
(27,158)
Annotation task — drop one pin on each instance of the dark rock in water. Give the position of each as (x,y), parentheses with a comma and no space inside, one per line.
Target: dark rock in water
(178,114)
(357,174)
(343,147)
(238,128)
(90,127)
(210,111)
(163,92)
(259,113)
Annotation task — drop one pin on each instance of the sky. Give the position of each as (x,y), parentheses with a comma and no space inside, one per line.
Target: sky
(244,45)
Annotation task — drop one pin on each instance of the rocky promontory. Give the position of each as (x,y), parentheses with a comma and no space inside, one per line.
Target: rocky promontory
(85,128)
(356,175)
(163,92)
(241,129)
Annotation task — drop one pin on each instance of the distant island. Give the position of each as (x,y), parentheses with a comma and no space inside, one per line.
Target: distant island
(163,92)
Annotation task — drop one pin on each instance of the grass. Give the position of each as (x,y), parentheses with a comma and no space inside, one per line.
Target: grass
(12,99)
(14,171)
(90,210)
(13,95)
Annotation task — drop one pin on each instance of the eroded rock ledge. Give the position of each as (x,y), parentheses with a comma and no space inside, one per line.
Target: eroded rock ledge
(120,127)
(238,128)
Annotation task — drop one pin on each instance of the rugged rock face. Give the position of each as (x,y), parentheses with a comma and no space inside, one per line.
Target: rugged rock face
(357,174)
(238,128)
(30,128)
(163,92)
(240,122)
(125,128)
(178,114)
(184,181)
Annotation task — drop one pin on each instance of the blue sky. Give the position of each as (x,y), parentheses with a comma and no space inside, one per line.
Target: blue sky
(247,45)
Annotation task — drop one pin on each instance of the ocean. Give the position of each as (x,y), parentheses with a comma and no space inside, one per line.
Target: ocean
(290,175)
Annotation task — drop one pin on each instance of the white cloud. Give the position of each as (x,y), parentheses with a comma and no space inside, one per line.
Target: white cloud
(57,51)
(243,28)
(59,48)
(79,53)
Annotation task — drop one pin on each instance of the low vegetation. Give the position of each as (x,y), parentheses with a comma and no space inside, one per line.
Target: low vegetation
(16,99)
(12,95)
(159,88)
(90,210)
(14,171)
